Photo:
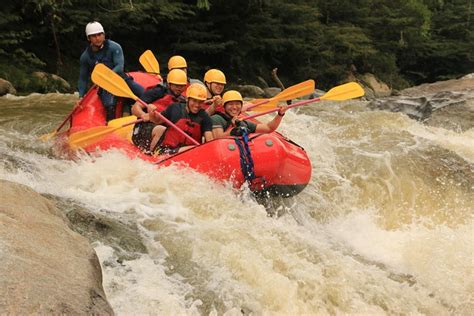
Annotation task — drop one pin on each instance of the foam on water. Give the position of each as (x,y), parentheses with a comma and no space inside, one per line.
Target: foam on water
(385,226)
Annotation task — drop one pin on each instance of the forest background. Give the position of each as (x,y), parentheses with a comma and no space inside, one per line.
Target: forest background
(402,42)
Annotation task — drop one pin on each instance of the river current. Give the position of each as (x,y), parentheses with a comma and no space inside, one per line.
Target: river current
(385,226)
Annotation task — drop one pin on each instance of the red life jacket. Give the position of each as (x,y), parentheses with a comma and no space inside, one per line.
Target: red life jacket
(220,109)
(174,139)
(168,99)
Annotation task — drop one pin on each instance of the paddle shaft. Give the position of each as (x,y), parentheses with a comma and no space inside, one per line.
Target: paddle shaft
(69,116)
(288,107)
(289,93)
(66,119)
(171,124)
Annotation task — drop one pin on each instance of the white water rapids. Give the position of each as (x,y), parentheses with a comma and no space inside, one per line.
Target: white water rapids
(385,227)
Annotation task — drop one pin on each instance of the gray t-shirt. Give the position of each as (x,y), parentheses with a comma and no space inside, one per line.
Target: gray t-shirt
(219,121)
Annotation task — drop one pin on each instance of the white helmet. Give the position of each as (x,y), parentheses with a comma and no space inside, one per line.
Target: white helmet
(94,28)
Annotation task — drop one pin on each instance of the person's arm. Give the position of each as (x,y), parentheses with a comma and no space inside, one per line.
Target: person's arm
(170,112)
(218,124)
(207,127)
(137,110)
(153,94)
(217,132)
(273,124)
(117,58)
(208,136)
(83,75)
(215,101)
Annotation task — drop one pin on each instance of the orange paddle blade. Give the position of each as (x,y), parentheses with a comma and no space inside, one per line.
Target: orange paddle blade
(91,136)
(149,62)
(296,91)
(107,79)
(344,92)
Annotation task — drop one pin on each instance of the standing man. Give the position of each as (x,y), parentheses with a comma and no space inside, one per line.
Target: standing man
(108,52)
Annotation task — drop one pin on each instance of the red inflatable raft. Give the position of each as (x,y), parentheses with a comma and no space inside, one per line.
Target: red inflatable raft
(275,164)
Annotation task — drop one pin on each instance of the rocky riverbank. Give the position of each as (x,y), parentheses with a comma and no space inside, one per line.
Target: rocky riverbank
(46,267)
(448,104)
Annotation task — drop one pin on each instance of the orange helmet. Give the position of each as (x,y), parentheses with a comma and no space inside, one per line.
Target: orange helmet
(197,91)
(177,62)
(178,77)
(214,75)
(232,95)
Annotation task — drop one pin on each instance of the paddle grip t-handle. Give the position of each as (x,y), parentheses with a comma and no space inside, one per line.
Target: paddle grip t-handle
(171,124)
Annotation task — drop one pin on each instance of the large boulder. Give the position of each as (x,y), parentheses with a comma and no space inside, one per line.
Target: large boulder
(51,82)
(379,88)
(448,104)
(249,91)
(271,92)
(457,85)
(6,87)
(46,268)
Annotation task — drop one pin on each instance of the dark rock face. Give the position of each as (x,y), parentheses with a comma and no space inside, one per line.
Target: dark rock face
(46,268)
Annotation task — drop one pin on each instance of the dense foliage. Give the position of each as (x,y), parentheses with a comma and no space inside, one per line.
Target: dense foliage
(401,41)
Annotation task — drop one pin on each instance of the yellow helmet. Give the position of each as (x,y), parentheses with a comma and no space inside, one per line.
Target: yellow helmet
(177,76)
(197,91)
(177,62)
(214,75)
(232,95)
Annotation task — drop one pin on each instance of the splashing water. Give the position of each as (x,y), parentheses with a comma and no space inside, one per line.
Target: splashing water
(385,226)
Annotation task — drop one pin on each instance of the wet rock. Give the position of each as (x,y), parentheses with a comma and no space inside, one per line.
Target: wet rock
(451,100)
(459,85)
(458,117)
(249,91)
(51,82)
(416,108)
(46,268)
(124,238)
(271,92)
(469,76)
(6,87)
(378,88)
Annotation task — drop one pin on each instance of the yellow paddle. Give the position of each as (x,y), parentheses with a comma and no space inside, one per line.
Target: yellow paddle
(293,92)
(149,62)
(93,135)
(343,92)
(108,80)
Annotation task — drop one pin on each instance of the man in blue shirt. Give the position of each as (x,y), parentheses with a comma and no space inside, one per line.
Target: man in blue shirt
(108,52)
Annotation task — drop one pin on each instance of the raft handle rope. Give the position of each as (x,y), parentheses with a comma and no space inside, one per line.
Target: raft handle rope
(246,161)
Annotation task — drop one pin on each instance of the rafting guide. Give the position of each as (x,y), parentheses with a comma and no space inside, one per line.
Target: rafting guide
(109,53)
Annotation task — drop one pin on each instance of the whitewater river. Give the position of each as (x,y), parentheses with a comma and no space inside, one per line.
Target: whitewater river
(385,226)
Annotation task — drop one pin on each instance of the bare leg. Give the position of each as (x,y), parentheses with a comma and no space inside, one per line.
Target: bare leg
(156,134)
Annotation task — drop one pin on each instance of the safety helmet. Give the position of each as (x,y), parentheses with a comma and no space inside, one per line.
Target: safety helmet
(197,91)
(177,62)
(94,28)
(177,76)
(232,95)
(214,75)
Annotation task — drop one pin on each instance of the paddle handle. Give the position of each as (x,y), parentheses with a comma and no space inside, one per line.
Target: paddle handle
(257,104)
(288,107)
(171,124)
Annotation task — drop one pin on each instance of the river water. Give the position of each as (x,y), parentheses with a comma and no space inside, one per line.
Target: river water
(385,226)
